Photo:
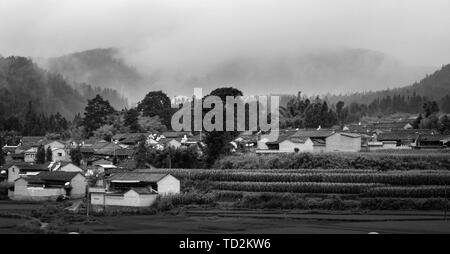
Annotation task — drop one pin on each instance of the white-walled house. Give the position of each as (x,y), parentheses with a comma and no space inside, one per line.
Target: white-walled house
(15,171)
(60,154)
(296,144)
(30,155)
(134,189)
(47,186)
(343,142)
(134,197)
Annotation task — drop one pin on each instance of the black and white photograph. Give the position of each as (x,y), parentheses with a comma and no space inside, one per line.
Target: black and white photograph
(239,119)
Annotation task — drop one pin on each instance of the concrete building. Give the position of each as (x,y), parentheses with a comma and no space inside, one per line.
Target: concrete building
(343,142)
(134,189)
(296,144)
(47,186)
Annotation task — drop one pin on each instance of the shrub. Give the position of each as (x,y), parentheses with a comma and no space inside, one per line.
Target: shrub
(376,161)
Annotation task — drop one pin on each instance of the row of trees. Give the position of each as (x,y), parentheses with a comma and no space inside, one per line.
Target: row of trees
(301,112)
(100,119)
(35,124)
(43,156)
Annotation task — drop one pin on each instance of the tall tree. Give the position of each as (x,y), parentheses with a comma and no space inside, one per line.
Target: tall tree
(157,103)
(76,156)
(96,114)
(141,154)
(2,155)
(218,142)
(132,120)
(430,108)
(49,154)
(40,155)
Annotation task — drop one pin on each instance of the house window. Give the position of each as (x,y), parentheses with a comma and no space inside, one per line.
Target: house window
(60,154)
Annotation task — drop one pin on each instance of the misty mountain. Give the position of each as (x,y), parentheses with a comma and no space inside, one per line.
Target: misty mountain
(22,81)
(319,72)
(103,68)
(337,71)
(434,86)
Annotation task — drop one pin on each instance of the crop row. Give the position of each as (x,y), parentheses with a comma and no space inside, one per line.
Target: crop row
(297,187)
(383,178)
(409,192)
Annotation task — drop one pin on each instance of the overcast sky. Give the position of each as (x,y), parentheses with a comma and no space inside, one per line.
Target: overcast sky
(187,37)
(416,31)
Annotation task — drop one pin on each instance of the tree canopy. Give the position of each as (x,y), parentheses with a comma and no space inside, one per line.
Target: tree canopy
(96,114)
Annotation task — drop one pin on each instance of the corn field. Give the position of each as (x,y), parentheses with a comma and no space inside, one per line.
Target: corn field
(392,178)
(409,192)
(341,188)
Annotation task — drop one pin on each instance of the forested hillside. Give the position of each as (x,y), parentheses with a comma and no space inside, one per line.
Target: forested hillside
(406,99)
(101,68)
(22,82)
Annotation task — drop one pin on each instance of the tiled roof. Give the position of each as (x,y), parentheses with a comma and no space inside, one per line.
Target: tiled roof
(129,164)
(58,176)
(298,140)
(390,125)
(29,167)
(9,149)
(133,176)
(176,134)
(389,136)
(433,137)
(313,133)
(350,135)
(86,149)
(318,142)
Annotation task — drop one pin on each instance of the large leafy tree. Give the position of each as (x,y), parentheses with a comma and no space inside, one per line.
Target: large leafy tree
(218,142)
(131,120)
(157,103)
(105,132)
(151,124)
(96,114)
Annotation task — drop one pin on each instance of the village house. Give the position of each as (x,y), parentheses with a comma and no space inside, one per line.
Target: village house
(53,144)
(390,126)
(30,155)
(46,186)
(134,189)
(64,167)
(264,145)
(18,170)
(105,169)
(60,154)
(296,144)
(130,139)
(402,140)
(317,136)
(95,161)
(431,142)
(343,142)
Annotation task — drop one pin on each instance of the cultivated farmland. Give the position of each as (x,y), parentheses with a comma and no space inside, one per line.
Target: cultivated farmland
(356,185)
